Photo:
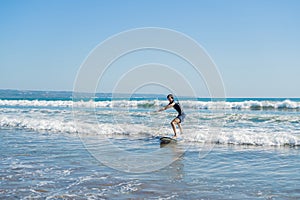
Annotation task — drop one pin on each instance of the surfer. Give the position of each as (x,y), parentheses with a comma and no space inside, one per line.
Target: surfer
(180,117)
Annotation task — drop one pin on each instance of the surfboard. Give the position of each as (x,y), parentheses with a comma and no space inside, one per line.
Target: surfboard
(167,140)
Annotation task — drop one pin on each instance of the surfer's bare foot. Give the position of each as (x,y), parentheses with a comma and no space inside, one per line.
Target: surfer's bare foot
(174,137)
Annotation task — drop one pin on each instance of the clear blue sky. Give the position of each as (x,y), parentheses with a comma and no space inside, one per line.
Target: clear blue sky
(254,43)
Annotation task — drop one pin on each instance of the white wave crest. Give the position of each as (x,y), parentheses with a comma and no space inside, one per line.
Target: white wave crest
(209,105)
(200,135)
(39,125)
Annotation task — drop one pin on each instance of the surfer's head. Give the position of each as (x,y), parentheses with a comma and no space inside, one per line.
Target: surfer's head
(170,97)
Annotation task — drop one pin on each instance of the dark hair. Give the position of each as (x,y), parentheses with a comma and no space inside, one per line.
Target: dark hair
(170,95)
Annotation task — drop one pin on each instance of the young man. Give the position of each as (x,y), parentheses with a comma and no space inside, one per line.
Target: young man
(180,117)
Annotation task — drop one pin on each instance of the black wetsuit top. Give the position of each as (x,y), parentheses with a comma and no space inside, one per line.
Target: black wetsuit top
(177,107)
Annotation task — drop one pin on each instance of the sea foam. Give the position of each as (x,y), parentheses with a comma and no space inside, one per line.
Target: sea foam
(207,105)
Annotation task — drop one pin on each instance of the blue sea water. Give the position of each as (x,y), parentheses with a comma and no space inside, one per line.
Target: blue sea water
(56,147)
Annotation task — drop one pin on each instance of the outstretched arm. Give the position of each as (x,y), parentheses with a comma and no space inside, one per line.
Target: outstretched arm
(166,107)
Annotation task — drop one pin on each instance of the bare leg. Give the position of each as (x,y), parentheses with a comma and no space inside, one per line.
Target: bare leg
(174,128)
(180,128)
(173,123)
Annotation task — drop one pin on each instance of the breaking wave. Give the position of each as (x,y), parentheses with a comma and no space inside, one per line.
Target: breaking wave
(207,105)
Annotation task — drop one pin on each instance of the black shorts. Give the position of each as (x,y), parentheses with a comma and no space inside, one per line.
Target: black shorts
(181,117)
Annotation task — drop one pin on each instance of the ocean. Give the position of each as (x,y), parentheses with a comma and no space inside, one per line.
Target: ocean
(107,147)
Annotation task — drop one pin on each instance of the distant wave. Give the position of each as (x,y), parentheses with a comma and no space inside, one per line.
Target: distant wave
(208,105)
(246,105)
